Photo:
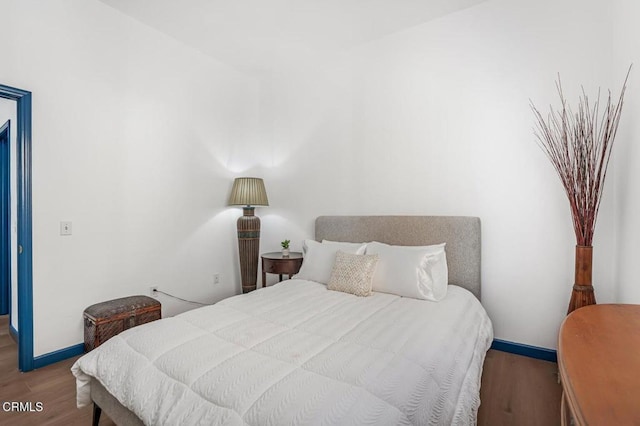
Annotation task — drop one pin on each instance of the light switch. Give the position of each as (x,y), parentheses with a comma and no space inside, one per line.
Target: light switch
(65,228)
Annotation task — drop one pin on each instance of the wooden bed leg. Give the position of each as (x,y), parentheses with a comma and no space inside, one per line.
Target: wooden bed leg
(96,414)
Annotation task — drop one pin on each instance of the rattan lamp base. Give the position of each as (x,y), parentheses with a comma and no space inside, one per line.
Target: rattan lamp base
(248,248)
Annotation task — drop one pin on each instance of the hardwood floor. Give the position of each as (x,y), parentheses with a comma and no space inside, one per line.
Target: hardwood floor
(519,391)
(516,391)
(53,386)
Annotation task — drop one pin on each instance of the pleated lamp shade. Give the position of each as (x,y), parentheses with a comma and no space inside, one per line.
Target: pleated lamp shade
(248,191)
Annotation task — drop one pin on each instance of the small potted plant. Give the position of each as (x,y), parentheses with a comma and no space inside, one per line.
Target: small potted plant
(285,248)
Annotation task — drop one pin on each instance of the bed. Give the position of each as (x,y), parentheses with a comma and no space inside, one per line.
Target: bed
(298,353)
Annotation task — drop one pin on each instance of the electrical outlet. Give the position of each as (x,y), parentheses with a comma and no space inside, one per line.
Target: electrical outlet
(65,228)
(153,291)
(216,278)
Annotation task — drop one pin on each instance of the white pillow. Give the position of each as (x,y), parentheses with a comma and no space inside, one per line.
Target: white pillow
(320,257)
(341,245)
(408,271)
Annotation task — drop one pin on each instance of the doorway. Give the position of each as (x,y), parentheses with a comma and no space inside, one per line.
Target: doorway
(24,225)
(5,218)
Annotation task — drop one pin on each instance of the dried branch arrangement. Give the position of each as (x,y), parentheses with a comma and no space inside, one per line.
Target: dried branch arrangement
(579,147)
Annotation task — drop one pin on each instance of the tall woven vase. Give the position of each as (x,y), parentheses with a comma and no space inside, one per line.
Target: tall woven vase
(582,294)
(248,247)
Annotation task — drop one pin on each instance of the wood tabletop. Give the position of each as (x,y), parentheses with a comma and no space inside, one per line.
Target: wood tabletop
(278,255)
(599,363)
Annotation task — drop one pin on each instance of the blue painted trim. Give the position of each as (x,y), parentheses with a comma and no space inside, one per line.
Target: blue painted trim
(526,350)
(59,355)
(5,218)
(13,332)
(25,238)
(24,218)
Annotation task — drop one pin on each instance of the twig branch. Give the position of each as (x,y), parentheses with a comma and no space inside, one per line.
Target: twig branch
(579,148)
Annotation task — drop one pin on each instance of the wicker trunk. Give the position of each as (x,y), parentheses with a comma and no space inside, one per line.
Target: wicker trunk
(104,320)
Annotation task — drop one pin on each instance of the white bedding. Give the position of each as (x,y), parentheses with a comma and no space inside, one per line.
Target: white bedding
(297,353)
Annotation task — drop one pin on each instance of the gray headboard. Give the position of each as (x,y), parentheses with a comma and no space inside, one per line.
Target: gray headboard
(462,235)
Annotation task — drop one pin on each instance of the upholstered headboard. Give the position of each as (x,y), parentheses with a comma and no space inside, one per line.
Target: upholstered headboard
(462,235)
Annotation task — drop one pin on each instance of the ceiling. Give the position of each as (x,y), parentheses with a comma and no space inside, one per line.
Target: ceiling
(252,34)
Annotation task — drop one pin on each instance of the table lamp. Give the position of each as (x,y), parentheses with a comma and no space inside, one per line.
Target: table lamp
(248,192)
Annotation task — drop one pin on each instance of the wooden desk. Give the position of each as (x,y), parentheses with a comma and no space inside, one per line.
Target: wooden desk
(276,263)
(599,363)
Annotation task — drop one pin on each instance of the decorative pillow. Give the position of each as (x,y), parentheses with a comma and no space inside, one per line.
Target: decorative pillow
(353,273)
(408,271)
(319,259)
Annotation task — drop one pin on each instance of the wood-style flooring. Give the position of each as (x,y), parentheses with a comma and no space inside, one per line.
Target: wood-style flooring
(519,391)
(53,386)
(516,391)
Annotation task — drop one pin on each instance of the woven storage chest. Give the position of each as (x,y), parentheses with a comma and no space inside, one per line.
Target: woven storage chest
(104,320)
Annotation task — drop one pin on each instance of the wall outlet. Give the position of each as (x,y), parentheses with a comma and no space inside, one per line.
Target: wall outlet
(66,228)
(153,291)
(216,279)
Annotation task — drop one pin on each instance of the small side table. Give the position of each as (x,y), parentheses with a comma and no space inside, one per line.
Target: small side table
(275,263)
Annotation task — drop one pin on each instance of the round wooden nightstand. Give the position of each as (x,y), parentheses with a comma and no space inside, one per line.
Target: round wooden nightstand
(275,263)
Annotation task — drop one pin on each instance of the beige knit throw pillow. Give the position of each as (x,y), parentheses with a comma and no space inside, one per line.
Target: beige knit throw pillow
(353,273)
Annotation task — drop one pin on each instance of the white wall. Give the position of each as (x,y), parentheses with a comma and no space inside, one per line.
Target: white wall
(305,149)
(132,134)
(435,120)
(626,49)
(443,126)
(8,112)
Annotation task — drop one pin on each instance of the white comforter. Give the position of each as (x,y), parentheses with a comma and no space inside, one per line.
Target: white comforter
(297,353)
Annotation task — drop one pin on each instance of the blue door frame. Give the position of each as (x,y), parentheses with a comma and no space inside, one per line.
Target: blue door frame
(5,218)
(24,219)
